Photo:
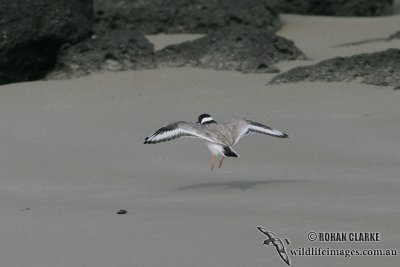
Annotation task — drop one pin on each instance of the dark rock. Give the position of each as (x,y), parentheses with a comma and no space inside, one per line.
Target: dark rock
(113,50)
(236,48)
(31,33)
(337,7)
(380,68)
(122,212)
(184,16)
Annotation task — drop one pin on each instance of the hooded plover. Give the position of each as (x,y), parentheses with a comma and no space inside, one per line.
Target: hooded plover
(219,137)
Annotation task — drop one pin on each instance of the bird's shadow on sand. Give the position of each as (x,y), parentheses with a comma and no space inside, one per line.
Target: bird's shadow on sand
(238,184)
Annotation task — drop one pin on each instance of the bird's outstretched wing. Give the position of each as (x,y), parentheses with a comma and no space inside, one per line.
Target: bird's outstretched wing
(176,130)
(244,127)
(273,240)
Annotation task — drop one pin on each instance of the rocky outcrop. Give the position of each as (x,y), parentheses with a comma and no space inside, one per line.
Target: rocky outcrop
(31,33)
(380,68)
(184,16)
(236,48)
(336,7)
(112,50)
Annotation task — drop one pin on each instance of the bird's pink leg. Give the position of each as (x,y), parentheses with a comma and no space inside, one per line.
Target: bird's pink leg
(212,162)
(220,162)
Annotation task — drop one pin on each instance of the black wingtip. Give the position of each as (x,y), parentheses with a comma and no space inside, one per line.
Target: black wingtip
(283,135)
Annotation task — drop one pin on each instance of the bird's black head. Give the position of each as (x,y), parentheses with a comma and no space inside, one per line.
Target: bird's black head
(205,119)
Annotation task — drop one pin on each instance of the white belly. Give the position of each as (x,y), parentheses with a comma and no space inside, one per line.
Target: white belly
(215,148)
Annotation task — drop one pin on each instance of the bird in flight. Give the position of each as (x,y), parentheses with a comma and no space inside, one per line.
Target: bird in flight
(219,138)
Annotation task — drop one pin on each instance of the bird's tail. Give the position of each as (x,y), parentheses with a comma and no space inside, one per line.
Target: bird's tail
(229,152)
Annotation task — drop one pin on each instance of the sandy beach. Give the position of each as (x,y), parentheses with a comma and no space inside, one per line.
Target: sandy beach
(72,155)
